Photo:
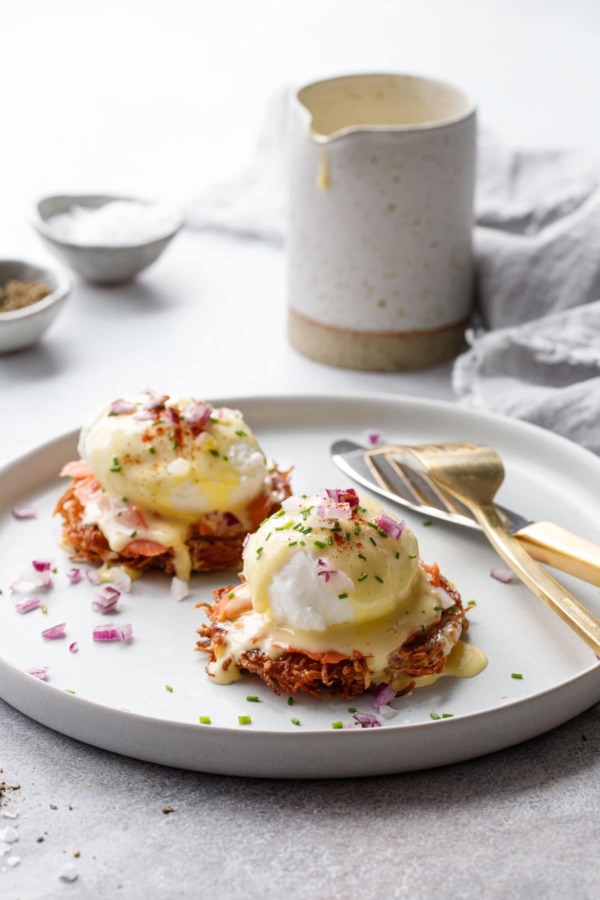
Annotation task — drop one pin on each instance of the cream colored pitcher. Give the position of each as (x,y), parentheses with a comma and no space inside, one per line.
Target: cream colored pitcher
(380,221)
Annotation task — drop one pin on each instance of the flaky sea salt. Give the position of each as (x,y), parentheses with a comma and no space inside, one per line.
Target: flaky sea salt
(69,873)
(120,223)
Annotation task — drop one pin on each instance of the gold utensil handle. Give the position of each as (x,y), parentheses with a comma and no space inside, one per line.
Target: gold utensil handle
(555,546)
(537,579)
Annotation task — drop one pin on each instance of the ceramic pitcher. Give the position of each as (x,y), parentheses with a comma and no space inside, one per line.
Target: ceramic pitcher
(381,173)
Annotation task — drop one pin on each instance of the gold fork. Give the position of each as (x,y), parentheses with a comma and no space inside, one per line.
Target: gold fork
(472,474)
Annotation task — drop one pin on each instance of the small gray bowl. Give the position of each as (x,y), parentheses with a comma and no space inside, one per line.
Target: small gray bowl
(99,264)
(23,327)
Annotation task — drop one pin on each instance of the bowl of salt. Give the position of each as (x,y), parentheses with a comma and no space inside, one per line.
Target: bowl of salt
(104,238)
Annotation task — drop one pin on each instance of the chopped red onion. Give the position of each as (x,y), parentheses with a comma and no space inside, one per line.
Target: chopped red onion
(171,416)
(246,541)
(42,565)
(365,720)
(31,582)
(197,413)
(388,712)
(106,599)
(28,604)
(383,694)
(343,496)
(74,575)
(74,647)
(333,511)
(503,575)
(180,589)
(392,527)
(375,438)
(122,407)
(93,576)
(24,512)
(40,672)
(335,578)
(112,632)
(157,401)
(57,631)
(221,522)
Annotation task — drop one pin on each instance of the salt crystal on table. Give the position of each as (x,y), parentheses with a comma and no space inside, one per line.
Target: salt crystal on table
(69,873)
(9,835)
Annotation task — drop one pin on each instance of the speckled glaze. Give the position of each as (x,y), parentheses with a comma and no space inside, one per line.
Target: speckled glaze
(380,223)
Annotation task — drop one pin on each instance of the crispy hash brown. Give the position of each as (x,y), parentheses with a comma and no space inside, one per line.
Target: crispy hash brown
(210,552)
(424,653)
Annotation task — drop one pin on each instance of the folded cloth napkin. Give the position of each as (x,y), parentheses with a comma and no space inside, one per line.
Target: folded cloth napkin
(536,352)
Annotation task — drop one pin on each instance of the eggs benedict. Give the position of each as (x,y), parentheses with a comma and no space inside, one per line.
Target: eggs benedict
(333,593)
(167,483)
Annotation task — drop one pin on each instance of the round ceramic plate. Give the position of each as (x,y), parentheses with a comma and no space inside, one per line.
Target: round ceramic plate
(144,698)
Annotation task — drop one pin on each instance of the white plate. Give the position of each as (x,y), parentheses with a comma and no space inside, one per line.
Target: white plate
(121,702)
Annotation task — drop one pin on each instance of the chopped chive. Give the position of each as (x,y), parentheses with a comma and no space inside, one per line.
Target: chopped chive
(410,556)
(319,544)
(304,496)
(285,527)
(302,543)
(381,533)
(434,715)
(295,721)
(259,551)
(372,541)
(337,724)
(54,570)
(279,514)
(169,688)
(152,450)
(360,556)
(337,527)
(352,709)
(447,715)
(293,544)
(380,580)
(226,458)
(299,527)
(330,540)
(398,554)
(240,432)
(213,452)
(269,535)
(427,523)
(204,720)
(252,699)
(363,576)
(124,499)
(472,603)
(115,469)
(245,720)
(115,460)
(44,608)
(453,608)
(342,596)
(347,536)
(290,701)
(307,530)
(373,525)
(67,691)
(133,534)
(231,596)
(423,629)
(213,419)
(438,608)
(356,528)
(517,675)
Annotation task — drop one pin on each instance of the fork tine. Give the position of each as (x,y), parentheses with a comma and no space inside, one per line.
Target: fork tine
(438,497)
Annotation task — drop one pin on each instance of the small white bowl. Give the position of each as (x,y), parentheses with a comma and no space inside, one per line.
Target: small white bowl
(98,263)
(23,327)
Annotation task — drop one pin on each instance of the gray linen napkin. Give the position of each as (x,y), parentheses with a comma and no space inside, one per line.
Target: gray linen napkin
(536,354)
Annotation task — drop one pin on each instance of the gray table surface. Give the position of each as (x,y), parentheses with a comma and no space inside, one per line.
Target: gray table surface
(154,98)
